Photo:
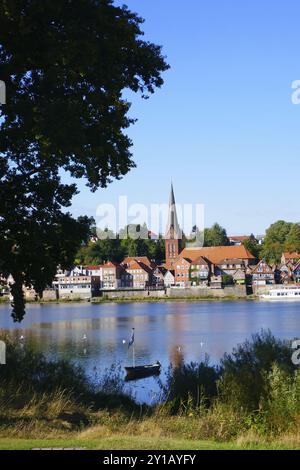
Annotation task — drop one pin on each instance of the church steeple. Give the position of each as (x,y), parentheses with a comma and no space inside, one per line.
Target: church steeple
(173,233)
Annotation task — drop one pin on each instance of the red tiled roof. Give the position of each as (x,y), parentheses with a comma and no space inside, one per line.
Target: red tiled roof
(294,255)
(241,238)
(140,259)
(215,254)
(92,266)
(110,264)
(200,261)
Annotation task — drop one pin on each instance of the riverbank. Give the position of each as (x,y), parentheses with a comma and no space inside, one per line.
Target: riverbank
(243,405)
(99,300)
(104,300)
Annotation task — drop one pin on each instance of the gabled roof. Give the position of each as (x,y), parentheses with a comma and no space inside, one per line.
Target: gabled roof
(92,267)
(293,255)
(200,261)
(139,265)
(140,259)
(231,261)
(297,266)
(188,260)
(215,254)
(110,264)
(240,238)
(169,271)
(268,268)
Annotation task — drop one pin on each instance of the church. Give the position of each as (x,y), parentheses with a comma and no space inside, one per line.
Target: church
(196,265)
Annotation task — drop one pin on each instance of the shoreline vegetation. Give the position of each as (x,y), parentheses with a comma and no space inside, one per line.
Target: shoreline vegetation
(103,300)
(251,400)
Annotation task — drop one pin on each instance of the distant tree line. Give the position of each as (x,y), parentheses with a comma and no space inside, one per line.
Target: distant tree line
(114,247)
(280,237)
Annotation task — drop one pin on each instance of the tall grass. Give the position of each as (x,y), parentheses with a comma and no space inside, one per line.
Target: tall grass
(253,394)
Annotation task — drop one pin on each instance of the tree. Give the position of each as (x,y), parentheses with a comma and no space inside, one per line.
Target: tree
(292,242)
(66,64)
(253,246)
(280,236)
(215,236)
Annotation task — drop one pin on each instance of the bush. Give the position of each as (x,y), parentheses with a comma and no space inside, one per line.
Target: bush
(190,386)
(243,373)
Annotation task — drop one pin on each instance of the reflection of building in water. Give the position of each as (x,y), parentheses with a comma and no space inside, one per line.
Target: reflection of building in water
(176,356)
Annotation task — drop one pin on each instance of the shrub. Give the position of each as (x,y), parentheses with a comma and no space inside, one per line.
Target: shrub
(243,373)
(190,386)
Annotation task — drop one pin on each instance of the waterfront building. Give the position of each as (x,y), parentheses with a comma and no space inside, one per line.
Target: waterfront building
(200,271)
(93,270)
(290,257)
(169,278)
(77,287)
(140,259)
(140,275)
(158,277)
(216,255)
(296,272)
(263,274)
(182,272)
(112,275)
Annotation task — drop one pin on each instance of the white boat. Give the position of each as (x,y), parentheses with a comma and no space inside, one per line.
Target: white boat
(291,293)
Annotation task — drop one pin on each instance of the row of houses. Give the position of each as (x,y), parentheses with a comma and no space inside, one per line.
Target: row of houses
(132,273)
(201,267)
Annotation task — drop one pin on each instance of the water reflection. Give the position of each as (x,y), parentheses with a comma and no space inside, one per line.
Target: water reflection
(93,335)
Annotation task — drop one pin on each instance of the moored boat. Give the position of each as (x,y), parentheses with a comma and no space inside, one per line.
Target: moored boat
(290,293)
(140,372)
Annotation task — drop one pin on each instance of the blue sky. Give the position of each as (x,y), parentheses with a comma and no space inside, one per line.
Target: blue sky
(223,126)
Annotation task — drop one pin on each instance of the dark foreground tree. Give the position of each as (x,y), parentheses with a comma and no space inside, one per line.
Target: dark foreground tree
(66,64)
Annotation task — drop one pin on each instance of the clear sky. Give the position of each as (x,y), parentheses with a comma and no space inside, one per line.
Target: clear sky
(223,126)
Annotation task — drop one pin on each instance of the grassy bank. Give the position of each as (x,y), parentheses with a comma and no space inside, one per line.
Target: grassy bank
(101,300)
(250,401)
(126,300)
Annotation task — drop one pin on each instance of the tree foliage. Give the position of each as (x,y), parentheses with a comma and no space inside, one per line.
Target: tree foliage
(253,246)
(215,236)
(115,248)
(66,64)
(281,236)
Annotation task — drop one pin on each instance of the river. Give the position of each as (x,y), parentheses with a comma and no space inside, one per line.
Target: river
(93,335)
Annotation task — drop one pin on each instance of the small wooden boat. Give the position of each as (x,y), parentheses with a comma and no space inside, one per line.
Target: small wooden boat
(140,372)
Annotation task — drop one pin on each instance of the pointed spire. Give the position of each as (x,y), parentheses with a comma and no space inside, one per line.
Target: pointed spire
(172,229)
(172,197)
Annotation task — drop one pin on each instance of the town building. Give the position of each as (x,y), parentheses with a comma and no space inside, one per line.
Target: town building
(216,255)
(238,240)
(182,272)
(169,278)
(140,275)
(158,277)
(92,270)
(112,275)
(200,272)
(77,287)
(296,272)
(263,275)
(290,257)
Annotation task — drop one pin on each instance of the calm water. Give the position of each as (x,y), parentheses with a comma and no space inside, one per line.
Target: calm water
(163,331)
